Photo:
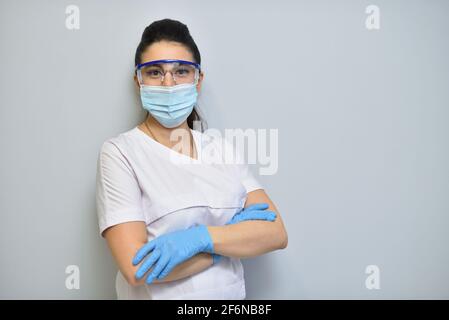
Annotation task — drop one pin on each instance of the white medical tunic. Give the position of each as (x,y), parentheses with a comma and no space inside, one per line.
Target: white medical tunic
(139,179)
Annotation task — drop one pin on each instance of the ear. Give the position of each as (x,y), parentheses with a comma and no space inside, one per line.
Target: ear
(136,81)
(200,81)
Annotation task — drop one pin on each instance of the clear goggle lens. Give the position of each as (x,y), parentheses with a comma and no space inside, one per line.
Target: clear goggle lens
(154,74)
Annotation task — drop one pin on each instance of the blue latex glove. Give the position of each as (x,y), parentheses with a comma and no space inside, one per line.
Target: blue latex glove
(171,249)
(255,211)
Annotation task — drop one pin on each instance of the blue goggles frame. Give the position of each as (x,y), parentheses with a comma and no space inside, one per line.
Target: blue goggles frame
(196,65)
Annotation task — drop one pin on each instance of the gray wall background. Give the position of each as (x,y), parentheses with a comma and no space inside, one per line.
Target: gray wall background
(362,116)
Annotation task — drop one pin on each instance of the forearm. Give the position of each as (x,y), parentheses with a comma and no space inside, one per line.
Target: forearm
(189,267)
(248,238)
(126,239)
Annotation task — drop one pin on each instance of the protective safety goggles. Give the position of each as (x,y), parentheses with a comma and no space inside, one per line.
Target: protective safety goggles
(153,73)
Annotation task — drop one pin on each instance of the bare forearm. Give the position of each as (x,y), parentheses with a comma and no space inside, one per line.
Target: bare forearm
(126,239)
(189,267)
(247,239)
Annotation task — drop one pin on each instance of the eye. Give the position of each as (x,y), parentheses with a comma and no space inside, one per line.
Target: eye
(154,73)
(183,72)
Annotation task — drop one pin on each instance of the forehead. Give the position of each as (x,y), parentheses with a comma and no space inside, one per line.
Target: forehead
(166,50)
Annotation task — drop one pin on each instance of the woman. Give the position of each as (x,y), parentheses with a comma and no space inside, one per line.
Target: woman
(177,225)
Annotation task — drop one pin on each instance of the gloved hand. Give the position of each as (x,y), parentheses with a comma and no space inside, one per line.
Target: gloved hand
(171,249)
(255,211)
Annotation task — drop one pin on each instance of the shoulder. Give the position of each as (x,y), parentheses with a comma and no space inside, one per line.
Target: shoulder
(120,143)
(116,153)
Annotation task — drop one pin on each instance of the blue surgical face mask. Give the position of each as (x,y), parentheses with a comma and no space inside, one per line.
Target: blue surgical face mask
(170,106)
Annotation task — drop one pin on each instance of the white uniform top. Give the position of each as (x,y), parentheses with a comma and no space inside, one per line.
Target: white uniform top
(139,179)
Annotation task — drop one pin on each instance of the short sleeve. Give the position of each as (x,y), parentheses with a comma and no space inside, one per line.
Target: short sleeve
(245,175)
(118,195)
(247,178)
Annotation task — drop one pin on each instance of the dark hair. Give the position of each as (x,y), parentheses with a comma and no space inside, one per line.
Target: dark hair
(171,30)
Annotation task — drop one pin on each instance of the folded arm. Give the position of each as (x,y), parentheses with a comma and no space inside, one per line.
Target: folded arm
(243,239)
(126,239)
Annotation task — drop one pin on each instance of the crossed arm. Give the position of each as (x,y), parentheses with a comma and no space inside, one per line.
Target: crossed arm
(242,240)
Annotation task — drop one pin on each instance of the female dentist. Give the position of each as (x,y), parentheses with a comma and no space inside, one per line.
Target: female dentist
(177,225)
